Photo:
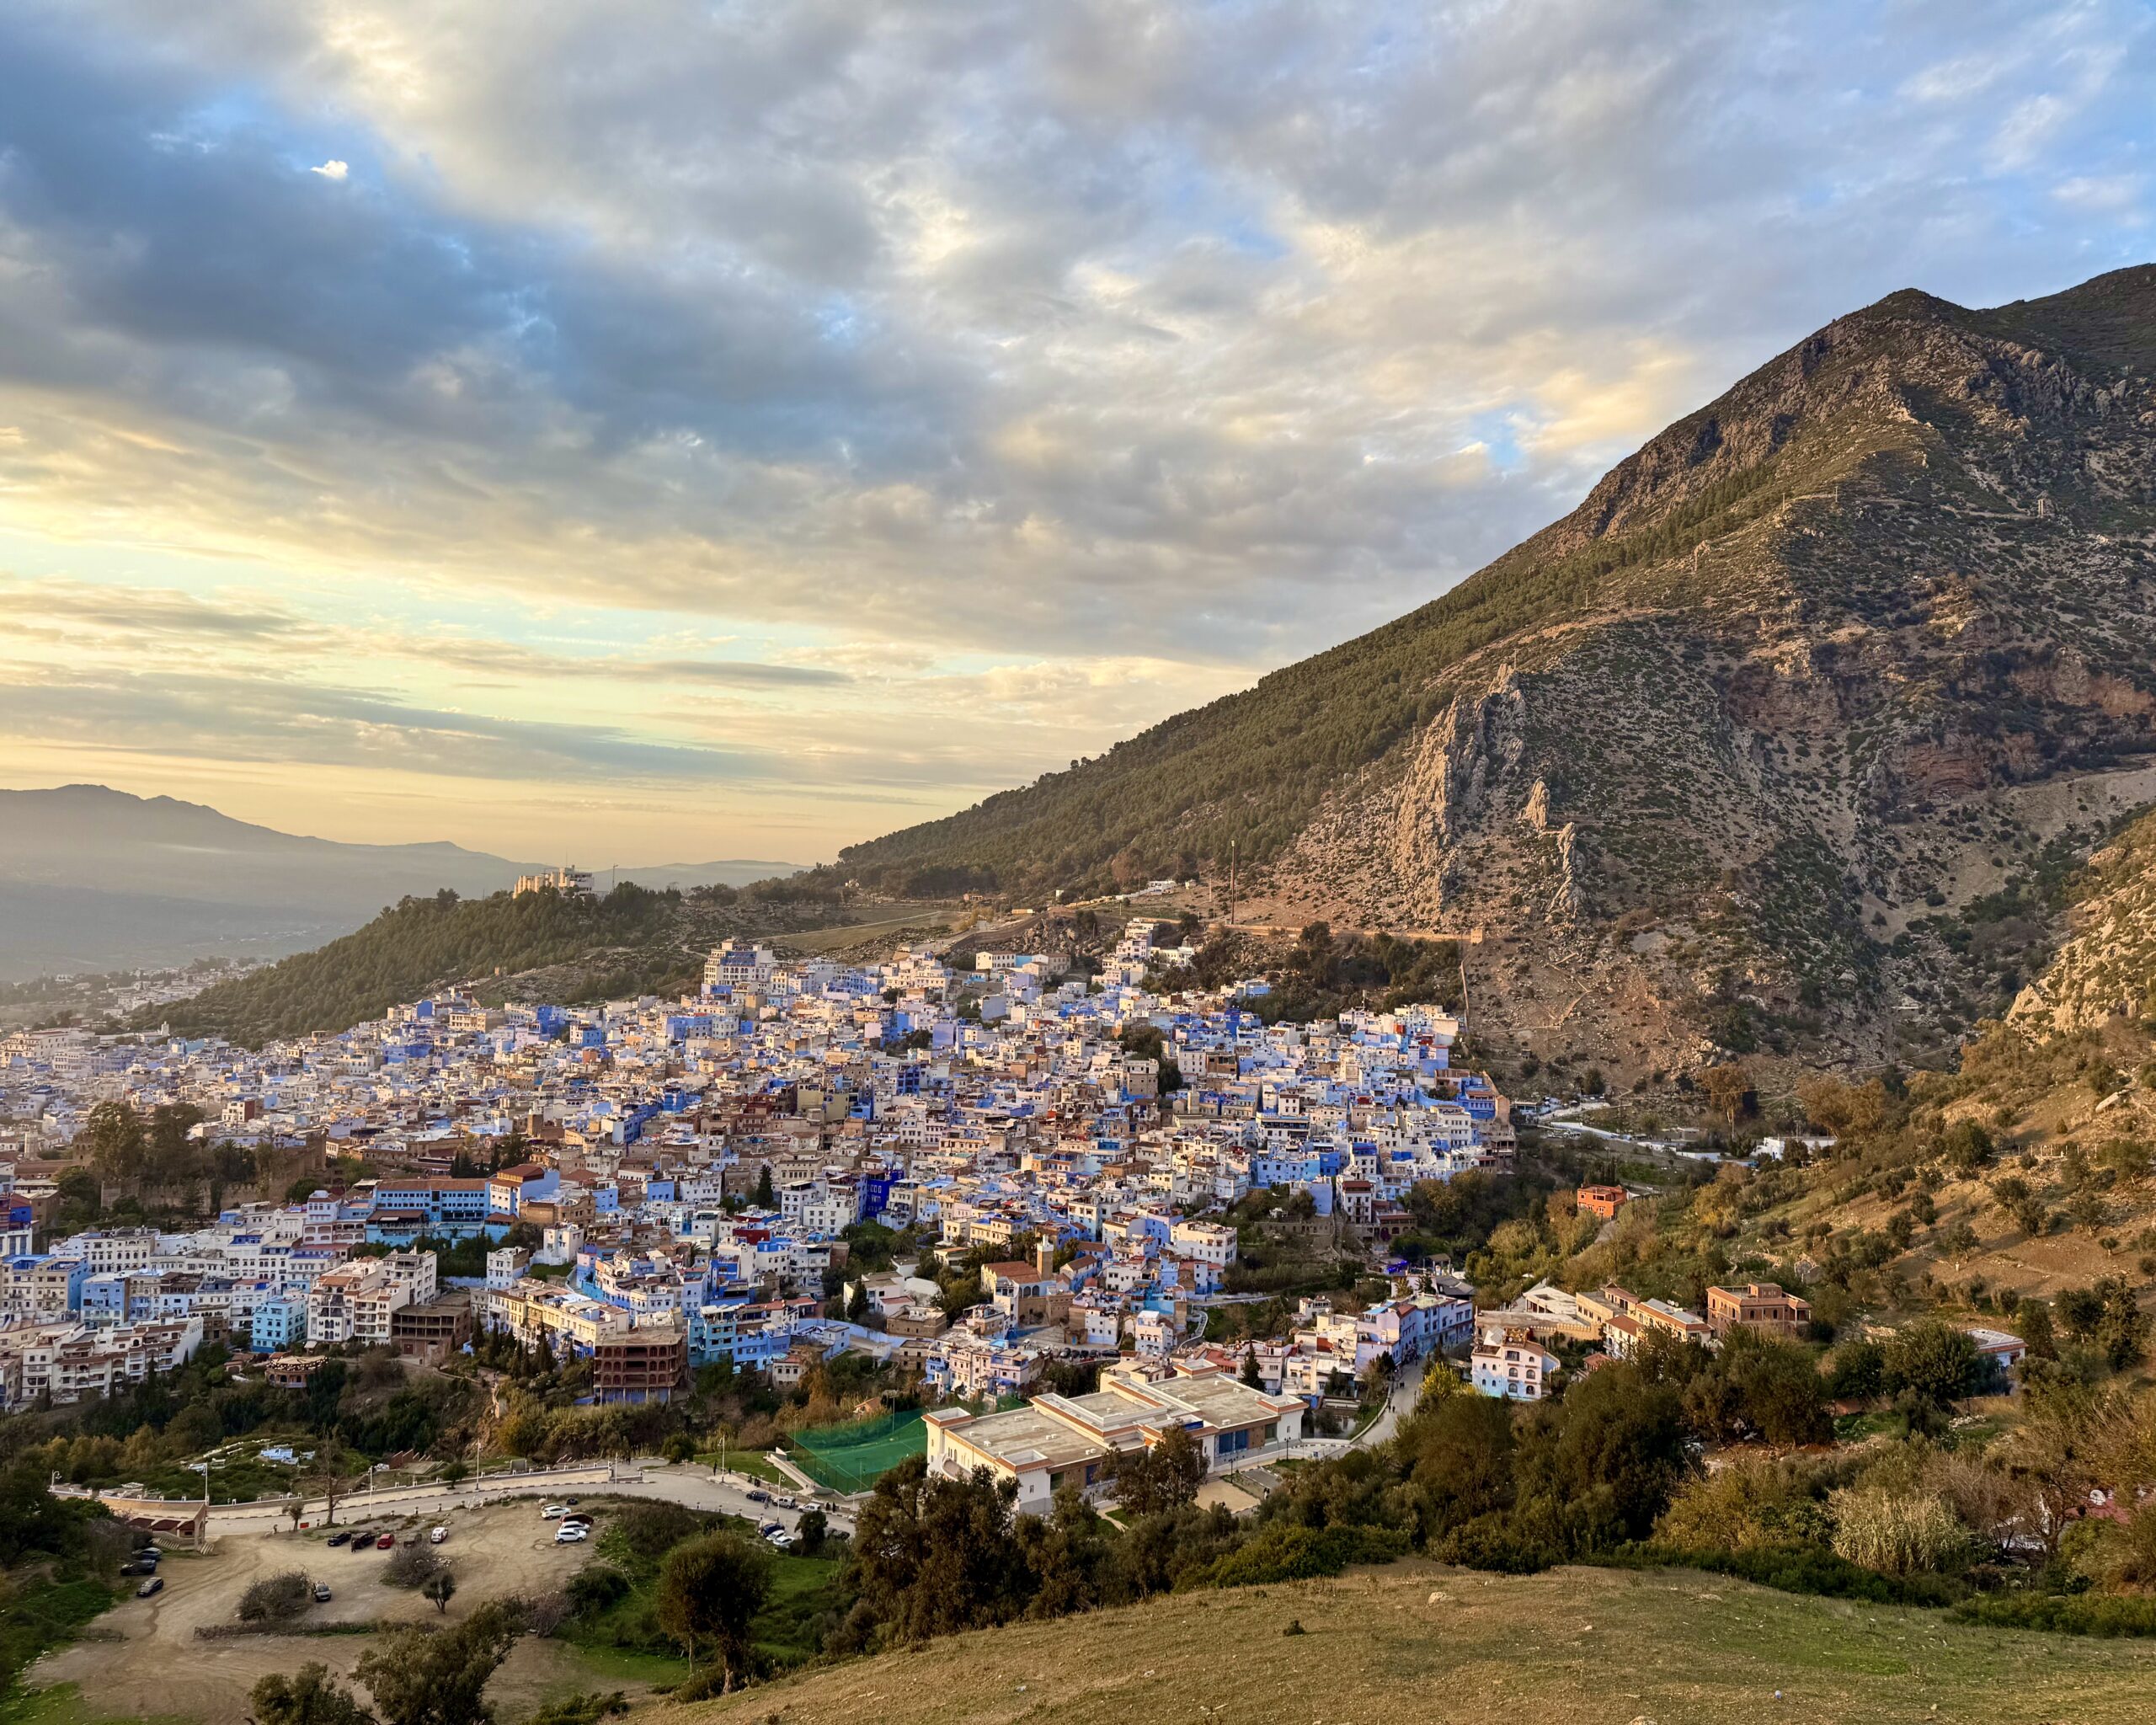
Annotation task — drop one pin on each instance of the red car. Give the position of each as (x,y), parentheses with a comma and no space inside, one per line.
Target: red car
(385,1542)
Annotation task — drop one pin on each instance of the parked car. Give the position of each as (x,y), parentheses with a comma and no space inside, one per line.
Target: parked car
(438,1535)
(784,1501)
(756,1494)
(339,1537)
(385,1542)
(322,1592)
(151,1552)
(782,1540)
(363,1541)
(769,1528)
(574,1533)
(155,1584)
(554,1512)
(572,1503)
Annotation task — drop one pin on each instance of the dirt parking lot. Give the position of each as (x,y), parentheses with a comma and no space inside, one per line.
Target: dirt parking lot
(145,1660)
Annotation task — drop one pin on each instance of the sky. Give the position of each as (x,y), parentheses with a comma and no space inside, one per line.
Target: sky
(643,431)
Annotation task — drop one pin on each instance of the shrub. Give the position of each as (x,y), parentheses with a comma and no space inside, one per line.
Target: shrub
(597,1588)
(276,1598)
(410,1565)
(2064,1614)
(651,1529)
(1792,1569)
(1286,1551)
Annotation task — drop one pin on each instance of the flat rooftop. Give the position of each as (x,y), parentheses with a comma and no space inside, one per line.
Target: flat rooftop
(1026,1437)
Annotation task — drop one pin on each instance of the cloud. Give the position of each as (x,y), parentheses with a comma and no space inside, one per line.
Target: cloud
(921,346)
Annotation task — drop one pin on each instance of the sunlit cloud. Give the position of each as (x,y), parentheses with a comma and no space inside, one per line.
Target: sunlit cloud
(923,394)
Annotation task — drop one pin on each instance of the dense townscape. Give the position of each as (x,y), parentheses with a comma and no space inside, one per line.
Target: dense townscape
(688,1173)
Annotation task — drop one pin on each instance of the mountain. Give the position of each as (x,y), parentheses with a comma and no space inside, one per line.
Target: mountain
(94,880)
(1771,743)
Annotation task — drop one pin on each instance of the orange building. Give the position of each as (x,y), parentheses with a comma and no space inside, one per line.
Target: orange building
(1604,1201)
(1758,1306)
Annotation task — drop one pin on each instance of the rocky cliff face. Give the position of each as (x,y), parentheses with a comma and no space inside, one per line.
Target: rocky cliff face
(1751,747)
(2105,969)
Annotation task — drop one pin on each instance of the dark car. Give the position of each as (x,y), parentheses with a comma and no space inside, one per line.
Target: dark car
(363,1541)
(155,1584)
(338,1538)
(755,1495)
(322,1592)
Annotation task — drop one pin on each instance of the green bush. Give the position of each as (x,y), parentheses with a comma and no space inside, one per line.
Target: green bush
(1792,1570)
(1286,1553)
(2064,1614)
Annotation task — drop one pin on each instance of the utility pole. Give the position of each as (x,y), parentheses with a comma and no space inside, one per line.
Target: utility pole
(1231,883)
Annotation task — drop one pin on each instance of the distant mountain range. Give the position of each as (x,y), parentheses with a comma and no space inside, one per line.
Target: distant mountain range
(94,880)
(1772,743)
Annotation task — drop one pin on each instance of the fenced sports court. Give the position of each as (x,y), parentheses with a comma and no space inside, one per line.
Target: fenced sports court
(852,1458)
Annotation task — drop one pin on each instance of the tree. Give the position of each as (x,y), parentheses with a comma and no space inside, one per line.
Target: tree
(679,1447)
(439,1588)
(2107,1316)
(1966,1147)
(856,1305)
(421,1675)
(1165,1476)
(309,1696)
(1931,1357)
(116,1144)
(1249,1375)
(812,1531)
(1858,1372)
(1728,1090)
(1777,1393)
(709,1589)
(932,1555)
(1620,1453)
(766,1198)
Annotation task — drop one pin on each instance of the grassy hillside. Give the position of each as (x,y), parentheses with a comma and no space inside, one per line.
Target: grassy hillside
(1416,1642)
(631,941)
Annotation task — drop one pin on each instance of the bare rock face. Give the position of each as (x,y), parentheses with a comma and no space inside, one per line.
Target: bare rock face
(2105,968)
(1464,762)
(1754,744)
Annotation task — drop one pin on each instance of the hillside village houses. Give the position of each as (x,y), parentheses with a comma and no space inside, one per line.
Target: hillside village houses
(647,1129)
(685,1172)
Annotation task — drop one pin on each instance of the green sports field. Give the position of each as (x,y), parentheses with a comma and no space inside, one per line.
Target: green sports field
(852,1458)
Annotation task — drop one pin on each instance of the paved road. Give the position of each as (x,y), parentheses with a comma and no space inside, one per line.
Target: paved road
(1406,1389)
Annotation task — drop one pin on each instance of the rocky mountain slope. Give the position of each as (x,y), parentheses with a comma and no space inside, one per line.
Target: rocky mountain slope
(2105,968)
(1768,744)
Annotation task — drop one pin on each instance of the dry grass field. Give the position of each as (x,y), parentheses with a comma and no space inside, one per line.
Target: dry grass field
(1414,1642)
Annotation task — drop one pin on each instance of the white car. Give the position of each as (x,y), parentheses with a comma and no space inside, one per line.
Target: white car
(554,1512)
(574,1533)
(783,1540)
(438,1535)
